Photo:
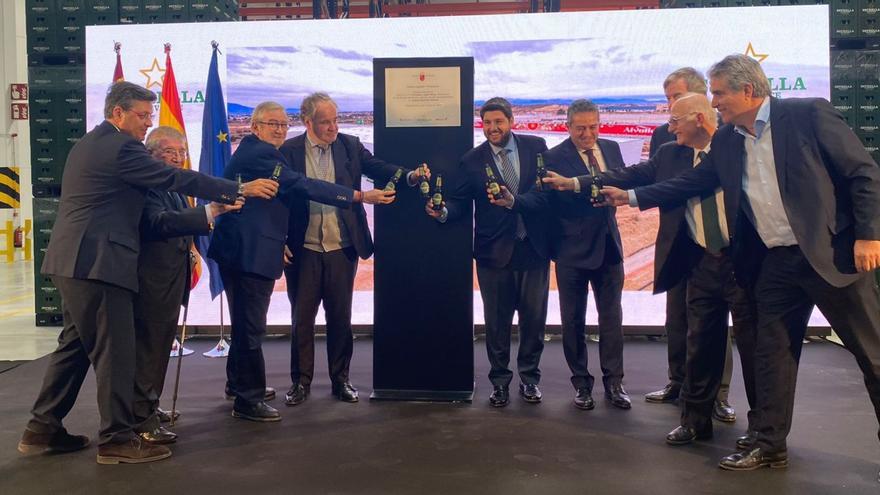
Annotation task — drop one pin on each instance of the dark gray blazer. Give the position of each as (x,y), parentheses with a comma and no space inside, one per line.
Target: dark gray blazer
(106,178)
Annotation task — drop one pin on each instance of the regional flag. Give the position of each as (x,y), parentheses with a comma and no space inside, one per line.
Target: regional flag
(117,72)
(171,115)
(216,151)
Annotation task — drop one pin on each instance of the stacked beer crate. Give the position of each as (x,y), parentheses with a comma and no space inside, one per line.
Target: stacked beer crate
(56,75)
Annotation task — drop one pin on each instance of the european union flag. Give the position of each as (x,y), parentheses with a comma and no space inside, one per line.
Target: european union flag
(215,153)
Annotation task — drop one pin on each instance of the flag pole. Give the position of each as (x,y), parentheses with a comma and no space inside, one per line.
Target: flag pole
(179,364)
(221,349)
(214,157)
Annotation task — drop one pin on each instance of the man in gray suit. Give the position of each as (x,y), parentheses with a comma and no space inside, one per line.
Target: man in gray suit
(92,258)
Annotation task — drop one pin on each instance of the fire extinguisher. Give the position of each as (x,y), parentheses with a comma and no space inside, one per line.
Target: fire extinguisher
(17,235)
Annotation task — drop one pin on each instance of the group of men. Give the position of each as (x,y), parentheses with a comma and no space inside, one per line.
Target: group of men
(761,220)
(743,217)
(785,209)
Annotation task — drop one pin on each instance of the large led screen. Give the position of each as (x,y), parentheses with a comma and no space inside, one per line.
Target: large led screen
(540,62)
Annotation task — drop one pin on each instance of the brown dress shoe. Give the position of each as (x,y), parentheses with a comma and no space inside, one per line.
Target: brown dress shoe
(60,441)
(134,451)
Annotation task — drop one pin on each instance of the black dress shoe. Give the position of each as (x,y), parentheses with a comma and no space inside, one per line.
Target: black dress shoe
(530,393)
(723,411)
(584,400)
(500,397)
(617,396)
(754,459)
(747,441)
(260,412)
(684,435)
(345,392)
(296,395)
(159,436)
(268,395)
(60,441)
(165,416)
(669,393)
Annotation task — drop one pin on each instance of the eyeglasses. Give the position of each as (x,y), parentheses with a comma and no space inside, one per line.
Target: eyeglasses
(173,152)
(673,120)
(275,125)
(142,115)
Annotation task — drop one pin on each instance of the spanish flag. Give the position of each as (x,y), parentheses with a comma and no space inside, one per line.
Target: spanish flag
(117,72)
(171,115)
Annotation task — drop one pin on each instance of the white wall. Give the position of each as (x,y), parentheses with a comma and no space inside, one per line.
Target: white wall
(13,69)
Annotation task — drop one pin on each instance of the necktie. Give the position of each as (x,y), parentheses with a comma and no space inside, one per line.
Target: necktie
(711,222)
(511,178)
(508,172)
(323,166)
(177,200)
(594,163)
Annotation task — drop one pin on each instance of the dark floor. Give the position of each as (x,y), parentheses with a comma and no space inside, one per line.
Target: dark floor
(8,365)
(324,446)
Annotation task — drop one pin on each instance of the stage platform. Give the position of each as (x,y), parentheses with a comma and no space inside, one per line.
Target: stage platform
(325,446)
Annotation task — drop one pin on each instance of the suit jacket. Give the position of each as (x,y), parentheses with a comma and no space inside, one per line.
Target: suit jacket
(830,188)
(350,161)
(105,181)
(581,230)
(167,227)
(675,253)
(252,241)
(495,226)
(659,137)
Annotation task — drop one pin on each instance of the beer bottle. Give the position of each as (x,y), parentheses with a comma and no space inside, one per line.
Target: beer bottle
(437,198)
(424,186)
(276,174)
(595,187)
(238,181)
(492,184)
(392,182)
(541,173)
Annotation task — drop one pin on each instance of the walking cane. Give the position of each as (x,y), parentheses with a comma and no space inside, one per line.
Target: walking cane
(179,362)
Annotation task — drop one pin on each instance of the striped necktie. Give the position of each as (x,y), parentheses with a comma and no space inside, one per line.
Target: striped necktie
(594,163)
(508,173)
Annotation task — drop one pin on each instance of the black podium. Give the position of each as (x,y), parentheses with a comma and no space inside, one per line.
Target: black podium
(423,300)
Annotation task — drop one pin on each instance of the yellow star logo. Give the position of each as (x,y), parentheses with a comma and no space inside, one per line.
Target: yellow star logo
(750,52)
(154,74)
(221,137)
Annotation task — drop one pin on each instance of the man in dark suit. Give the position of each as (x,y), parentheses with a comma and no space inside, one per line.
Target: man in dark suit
(588,252)
(323,245)
(164,263)
(678,83)
(804,197)
(249,248)
(92,258)
(511,247)
(691,250)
